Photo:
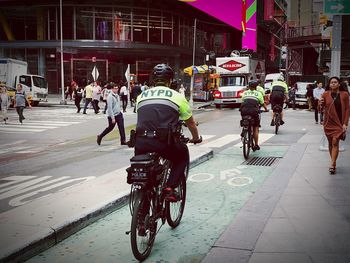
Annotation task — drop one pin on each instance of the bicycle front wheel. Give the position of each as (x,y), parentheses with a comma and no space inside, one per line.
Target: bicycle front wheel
(143,227)
(175,210)
(246,144)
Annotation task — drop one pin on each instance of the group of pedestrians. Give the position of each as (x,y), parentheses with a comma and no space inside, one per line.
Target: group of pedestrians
(20,102)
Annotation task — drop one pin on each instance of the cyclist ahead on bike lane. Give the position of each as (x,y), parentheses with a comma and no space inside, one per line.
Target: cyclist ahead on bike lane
(279,94)
(159,110)
(251,102)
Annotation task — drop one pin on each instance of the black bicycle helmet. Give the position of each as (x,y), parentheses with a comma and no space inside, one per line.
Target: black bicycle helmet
(162,73)
(253,83)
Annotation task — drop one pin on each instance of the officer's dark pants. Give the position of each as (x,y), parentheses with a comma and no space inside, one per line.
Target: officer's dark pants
(177,153)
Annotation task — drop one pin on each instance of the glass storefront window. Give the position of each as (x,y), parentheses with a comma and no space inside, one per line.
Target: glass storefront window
(185,32)
(122,25)
(176,27)
(32,59)
(84,23)
(52,20)
(167,28)
(67,22)
(140,25)
(103,22)
(22,23)
(155,27)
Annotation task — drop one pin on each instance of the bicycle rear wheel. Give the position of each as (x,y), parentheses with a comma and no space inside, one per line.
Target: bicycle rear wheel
(175,210)
(143,228)
(277,122)
(246,143)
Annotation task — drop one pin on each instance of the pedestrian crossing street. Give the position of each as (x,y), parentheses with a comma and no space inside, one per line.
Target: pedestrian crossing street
(209,141)
(39,120)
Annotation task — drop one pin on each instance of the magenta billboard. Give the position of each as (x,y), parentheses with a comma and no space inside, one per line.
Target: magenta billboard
(240,14)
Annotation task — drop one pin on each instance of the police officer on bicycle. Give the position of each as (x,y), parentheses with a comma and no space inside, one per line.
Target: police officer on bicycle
(159,110)
(279,94)
(251,102)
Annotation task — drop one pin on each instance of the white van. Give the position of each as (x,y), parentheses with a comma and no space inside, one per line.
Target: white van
(300,94)
(271,78)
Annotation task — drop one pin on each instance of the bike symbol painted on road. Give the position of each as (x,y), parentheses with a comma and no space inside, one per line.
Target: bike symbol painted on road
(231,176)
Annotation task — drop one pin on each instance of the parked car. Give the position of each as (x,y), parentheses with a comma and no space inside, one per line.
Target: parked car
(300,95)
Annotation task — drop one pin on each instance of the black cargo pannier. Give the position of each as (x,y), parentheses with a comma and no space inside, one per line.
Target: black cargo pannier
(144,169)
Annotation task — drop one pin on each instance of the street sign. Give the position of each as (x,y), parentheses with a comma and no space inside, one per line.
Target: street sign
(337,7)
(95,73)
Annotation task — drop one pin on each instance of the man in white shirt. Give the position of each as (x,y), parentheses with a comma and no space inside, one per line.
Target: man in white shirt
(317,93)
(124,96)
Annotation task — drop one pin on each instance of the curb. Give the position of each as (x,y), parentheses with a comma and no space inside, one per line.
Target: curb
(57,234)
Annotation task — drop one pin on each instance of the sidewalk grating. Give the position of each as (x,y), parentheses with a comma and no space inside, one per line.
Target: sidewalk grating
(262,161)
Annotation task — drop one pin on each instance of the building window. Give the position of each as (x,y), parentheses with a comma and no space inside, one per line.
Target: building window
(122,25)
(155,25)
(184,32)
(32,59)
(167,28)
(67,22)
(52,23)
(140,25)
(176,31)
(84,23)
(103,22)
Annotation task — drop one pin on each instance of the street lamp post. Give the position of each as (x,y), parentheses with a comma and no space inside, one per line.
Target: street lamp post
(193,60)
(63,101)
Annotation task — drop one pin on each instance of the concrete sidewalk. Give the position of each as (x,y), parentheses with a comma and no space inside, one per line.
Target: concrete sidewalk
(31,228)
(301,213)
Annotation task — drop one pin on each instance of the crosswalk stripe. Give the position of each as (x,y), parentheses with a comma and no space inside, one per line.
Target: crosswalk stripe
(14,149)
(20,126)
(221,141)
(21,129)
(58,123)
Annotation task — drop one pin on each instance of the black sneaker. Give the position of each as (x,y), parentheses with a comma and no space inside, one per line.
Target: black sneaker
(282,122)
(99,139)
(256,148)
(272,123)
(123,143)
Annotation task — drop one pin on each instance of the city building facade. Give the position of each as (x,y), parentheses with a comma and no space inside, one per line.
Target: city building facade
(109,35)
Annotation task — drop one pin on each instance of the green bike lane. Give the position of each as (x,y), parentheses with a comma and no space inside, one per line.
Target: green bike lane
(216,191)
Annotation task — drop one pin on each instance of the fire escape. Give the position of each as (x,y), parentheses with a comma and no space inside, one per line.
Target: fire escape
(271,32)
(306,42)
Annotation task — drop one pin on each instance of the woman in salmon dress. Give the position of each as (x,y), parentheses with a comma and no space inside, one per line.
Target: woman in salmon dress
(335,104)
